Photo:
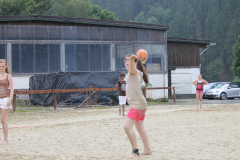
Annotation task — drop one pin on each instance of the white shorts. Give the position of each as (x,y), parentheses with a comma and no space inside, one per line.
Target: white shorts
(122,100)
(3,103)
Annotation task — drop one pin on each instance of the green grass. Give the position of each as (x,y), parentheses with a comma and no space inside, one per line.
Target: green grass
(103,107)
(30,109)
(154,103)
(21,110)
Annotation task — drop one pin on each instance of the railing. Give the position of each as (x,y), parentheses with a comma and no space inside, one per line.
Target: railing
(88,91)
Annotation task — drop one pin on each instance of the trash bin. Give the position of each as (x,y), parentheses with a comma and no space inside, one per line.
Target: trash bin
(114,99)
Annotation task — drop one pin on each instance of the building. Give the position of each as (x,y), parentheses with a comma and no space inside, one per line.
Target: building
(39,44)
(184,64)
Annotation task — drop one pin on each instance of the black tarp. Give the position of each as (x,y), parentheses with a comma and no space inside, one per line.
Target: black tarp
(72,80)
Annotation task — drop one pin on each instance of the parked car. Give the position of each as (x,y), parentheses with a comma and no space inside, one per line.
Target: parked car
(211,86)
(207,87)
(224,91)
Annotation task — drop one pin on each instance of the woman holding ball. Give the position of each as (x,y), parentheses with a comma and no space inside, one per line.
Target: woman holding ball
(138,104)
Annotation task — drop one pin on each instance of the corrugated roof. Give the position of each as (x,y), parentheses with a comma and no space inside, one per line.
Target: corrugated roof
(17,18)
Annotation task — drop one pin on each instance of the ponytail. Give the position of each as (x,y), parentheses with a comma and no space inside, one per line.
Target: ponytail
(7,69)
(141,68)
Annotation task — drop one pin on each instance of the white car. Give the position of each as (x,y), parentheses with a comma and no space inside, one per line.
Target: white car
(207,87)
(211,86)
(224,91)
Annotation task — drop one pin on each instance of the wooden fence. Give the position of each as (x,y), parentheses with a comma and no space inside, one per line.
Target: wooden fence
(88,91)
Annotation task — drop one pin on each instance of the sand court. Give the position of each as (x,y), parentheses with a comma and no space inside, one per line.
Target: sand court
(175,132)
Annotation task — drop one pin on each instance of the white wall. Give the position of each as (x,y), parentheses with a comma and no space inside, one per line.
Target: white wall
(182,79)
(158,80)
(21,82)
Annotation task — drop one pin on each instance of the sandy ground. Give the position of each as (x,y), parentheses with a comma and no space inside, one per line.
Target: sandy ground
(175,132)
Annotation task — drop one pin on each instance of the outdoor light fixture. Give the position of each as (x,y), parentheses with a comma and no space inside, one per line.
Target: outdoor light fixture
(211,44)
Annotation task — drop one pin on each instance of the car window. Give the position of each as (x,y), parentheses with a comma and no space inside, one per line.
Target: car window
(219,85)
(222,86)
(233,86)
(215,85)
(207,86)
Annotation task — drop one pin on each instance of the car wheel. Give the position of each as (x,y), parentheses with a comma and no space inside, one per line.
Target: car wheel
(223,96)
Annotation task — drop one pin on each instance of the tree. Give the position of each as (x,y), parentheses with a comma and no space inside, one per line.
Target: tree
(214,70)
(71,8)
(198,30)
(79,9)
(178,29)
(228,55)
(140,18)
(21,7)
(99,13)
(236,62)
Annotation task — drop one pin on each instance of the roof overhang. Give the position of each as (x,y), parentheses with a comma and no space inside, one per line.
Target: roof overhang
(184,40)
(18,18)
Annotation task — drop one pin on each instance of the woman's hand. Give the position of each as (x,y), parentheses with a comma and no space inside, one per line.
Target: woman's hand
(133,57)
(9,102)
(132,64)
(144,61)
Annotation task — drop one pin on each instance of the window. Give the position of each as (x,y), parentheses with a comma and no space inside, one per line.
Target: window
(38,58)
(41,58)
(3,51)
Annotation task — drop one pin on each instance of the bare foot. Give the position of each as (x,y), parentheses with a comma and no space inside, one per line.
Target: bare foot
(146,153)
(133,156)
(124,115)
(4,143)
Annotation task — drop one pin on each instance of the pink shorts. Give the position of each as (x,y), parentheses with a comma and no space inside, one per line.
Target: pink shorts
(199,91)
(136,114)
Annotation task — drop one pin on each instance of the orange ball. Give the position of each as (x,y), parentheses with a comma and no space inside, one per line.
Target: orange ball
(142,54)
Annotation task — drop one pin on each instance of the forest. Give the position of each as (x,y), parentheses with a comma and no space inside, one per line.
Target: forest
(214,20)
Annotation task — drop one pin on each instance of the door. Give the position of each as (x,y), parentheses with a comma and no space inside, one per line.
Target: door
(232,91)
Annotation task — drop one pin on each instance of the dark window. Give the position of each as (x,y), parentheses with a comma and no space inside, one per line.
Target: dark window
(70,57)
(16,60)
(82,57)
(54,57)
(27,58)
(41,58)
(22,58)
(95,57)
(3,51)
(106,58)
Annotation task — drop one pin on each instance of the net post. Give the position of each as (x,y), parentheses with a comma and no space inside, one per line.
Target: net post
(90,96)
(87,97)
(95,97)
(55,101)
(174,97)
(14,103)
